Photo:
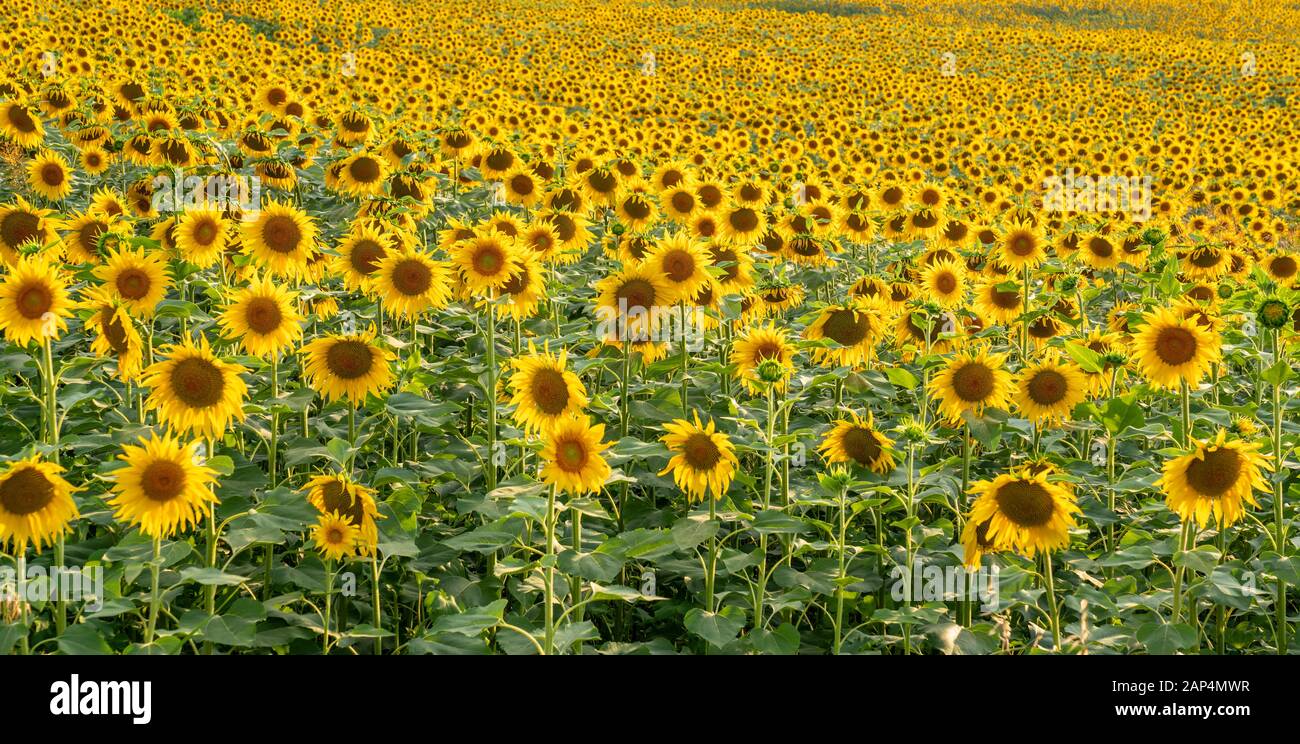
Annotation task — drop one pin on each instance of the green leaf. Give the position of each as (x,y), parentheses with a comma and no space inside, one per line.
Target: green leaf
(693,530)
(901,377)
(781,640)
(473,622)
(83,640)
(1165,638)
(718,628)
(1087,359)
(211,576)
(1277,374)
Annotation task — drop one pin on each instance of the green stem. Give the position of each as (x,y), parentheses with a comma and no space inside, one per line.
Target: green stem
(329,596)
(1051,599)
(1279,502)
(548,645)
(374,600)
(839,585)
(154,568)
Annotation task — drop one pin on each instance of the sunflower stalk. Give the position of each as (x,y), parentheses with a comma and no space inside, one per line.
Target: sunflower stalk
(1279,502)
(155,566)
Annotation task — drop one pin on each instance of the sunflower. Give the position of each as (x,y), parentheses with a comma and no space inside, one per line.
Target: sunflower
(1023,511)
(742,223)
(21,124)
(571,456)
(34,301)
(348,366)
(411,283)
(1098,252)
(544,390)
(1047,391)
(87,232)
(944,282)
(137,278)
(94,160)
(853,440)
(683,264)
(163,488)
(778,298)
(487,262)
(1214,480)
(281,239)
(851,330)
(36,504)
(22,224)
(540,238)
(679,203)
(48,175)
(338,494)
(632,299)
(335,537)
(972,381)
(201,236)
(1171,349)
(1021,246)
(636,211)
(1282,267)
(758,344)
(525,290)
(363,174)
(703,459)
(264,317)
(599,185)
(115,333)
(736,267)
(195,392)
(997,302)
(522,187)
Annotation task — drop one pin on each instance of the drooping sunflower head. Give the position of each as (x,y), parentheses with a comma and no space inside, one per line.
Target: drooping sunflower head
(164,487)
(1025,512)
(194,391)
(999,300)
(348,366)
(363,174)
(34,301)
(973,380)
(36,504)
(855,440)
(1216,479)
(571,456)
(22,224)
(1171,349)
(704,459)
(545,390)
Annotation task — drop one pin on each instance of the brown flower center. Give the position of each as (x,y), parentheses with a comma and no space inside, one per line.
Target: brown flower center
(1175,346)
(861,444)
(26,491)
(349,359)
(198,383)
(549,391)
(700,451)
(263,315)
(163,480)
(1047,387)
(973,382)
(1216,474)
(412,278)
(1025,503)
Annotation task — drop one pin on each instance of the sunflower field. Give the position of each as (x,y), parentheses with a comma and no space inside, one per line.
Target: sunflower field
(649,327)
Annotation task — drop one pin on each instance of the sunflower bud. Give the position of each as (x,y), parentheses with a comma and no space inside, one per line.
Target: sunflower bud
(1069,283)
(770,371)
(913,431)
(1225,291)
(1273,313)
(617,229)
(1114,359)
(1244,427)
(1153,236)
